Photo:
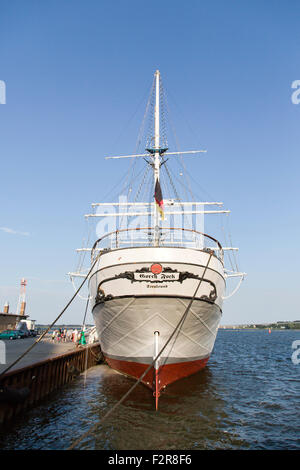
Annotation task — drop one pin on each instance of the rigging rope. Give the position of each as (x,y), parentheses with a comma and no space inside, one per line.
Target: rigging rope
(178,326)
(138,142)
(86,309)
(234,290)
(172,127)
(187,220)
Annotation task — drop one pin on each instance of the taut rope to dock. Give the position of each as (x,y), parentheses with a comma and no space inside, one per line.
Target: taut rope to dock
(53,323)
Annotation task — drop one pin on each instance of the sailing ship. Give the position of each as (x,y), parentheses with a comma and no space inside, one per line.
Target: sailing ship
(145,277)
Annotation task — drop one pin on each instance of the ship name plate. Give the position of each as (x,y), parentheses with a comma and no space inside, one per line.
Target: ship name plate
(150,277)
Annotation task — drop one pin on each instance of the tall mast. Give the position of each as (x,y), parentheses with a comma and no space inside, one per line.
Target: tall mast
(156,154)
(156,117)
(155,151)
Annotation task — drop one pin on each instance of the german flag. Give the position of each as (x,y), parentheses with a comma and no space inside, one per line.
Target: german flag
(159,199)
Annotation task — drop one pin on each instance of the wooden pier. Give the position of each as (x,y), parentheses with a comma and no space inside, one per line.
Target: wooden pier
(23,388)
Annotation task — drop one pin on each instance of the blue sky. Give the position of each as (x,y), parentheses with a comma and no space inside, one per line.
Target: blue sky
(75,74)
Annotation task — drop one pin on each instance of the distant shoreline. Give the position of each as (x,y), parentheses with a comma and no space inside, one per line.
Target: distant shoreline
(239,328)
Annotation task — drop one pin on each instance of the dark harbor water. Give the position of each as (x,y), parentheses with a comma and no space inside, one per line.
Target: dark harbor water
(246,398)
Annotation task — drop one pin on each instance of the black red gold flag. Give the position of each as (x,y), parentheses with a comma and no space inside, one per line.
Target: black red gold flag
(159,199)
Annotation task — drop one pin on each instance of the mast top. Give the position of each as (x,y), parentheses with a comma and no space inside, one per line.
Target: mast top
(156,151)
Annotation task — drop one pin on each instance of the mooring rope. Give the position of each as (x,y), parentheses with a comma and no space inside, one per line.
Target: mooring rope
(178,326)
(85,313)
(52,324)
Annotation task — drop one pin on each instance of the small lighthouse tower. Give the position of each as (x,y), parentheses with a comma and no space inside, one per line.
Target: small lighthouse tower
(22,297)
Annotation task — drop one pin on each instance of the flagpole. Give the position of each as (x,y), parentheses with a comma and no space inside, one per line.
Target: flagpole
(156,155)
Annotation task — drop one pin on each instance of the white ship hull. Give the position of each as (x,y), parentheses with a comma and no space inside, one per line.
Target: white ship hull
(131,304)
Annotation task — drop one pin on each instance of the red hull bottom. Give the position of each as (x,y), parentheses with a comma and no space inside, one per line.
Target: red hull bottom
(165,375)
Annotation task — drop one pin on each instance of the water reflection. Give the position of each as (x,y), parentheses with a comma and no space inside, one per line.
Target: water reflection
(247,397)
(190,415)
